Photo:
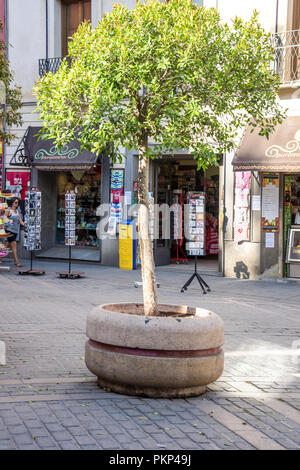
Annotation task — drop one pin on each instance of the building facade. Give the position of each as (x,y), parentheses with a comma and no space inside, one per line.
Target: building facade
(236,239)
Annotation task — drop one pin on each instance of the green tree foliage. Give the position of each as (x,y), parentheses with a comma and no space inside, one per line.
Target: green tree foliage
(11,98)
(172,71)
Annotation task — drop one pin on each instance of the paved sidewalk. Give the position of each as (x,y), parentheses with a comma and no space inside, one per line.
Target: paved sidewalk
(49,400)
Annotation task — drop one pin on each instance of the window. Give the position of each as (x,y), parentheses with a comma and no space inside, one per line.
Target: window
(74,12)
(87,188)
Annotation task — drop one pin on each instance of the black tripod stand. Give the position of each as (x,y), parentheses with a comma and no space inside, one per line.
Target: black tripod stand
(201,281)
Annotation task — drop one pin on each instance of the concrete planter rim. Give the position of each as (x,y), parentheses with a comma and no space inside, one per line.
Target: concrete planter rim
(107,324)
(189,310)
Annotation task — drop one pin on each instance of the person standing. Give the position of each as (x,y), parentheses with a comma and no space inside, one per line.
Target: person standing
(13,227)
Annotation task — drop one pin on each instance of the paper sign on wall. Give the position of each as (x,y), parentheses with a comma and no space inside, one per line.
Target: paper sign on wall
(256,203)
(270,240)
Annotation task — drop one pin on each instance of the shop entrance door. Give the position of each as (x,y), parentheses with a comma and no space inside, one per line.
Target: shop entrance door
(291,224)
(162,195)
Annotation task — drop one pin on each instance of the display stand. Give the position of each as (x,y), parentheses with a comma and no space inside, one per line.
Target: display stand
(196,243)
(70,234)
(205,287)
(32,231)
(30,271)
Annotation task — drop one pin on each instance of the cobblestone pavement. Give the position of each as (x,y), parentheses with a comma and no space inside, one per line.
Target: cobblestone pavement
(49,400)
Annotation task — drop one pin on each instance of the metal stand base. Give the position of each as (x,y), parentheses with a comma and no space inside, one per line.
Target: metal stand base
(69,274)
(205,287)
(31,272)
(73,275)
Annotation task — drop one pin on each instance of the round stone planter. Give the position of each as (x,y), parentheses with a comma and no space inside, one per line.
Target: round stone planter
(173,355)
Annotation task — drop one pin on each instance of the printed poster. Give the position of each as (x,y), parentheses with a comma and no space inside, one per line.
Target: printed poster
(270,203)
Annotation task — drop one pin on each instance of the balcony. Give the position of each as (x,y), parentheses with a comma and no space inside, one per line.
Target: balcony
(286,64)
(287,58)
(50,65)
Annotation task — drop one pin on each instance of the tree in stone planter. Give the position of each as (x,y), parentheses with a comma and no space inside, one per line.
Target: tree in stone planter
(171,71)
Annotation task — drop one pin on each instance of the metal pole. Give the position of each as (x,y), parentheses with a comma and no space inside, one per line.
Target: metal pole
(70,248)
(276,18)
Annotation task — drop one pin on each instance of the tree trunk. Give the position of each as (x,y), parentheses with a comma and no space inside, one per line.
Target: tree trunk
(146,249)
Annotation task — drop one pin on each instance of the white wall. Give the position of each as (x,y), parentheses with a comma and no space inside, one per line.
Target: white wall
(27,41)
(244,9)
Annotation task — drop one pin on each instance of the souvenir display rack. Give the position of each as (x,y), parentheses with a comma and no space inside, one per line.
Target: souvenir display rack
(70,233)
(196,243)
(32,229)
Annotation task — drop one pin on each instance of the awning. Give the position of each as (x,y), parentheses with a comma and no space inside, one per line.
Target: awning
(44,155)
(279,153)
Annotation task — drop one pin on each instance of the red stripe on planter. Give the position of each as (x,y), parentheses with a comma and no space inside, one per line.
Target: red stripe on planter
(155,352)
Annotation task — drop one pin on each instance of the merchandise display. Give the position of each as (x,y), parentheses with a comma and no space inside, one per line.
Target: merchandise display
(86,189)
(241,207)
(70,218)
(117,192)
(32,227)
(270,202)
(174,182)
(17,182)
(116,200)
(70,233)
(32,219)
(291,202)
(196,219)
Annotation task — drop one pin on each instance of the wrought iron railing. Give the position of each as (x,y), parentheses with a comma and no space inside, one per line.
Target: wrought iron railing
(287,56)
(50,65)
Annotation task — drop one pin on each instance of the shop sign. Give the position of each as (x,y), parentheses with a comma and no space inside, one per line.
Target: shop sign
(127,245)
(17,181)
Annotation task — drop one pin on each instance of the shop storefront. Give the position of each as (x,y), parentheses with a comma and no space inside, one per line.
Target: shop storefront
(55,172)
(275,163)
(176,180)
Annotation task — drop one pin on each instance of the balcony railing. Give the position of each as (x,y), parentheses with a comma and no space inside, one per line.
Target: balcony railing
(50,65)
(286,64)
(287,58)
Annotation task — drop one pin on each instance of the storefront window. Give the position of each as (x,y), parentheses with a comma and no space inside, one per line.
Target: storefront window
(87,187)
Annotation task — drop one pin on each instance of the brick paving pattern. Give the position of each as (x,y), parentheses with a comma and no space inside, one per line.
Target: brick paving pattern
(49,400)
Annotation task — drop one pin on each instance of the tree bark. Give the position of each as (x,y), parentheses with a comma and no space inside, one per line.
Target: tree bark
(146,248)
